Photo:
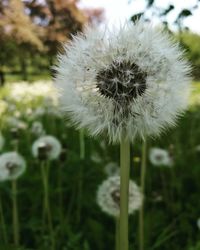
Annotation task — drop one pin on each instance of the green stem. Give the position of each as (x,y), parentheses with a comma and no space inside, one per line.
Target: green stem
(3,224)
(60,193)
(82,144)
(47,210)
(80,188)
(117,233)
(15,214)
(142,186)
(124,192)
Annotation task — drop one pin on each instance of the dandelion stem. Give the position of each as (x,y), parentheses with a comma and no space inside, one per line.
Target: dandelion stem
(47,210)
(15,214)
(80,188)
(142,185)
(124,191)
(117,233)
(60,194)
(3,224)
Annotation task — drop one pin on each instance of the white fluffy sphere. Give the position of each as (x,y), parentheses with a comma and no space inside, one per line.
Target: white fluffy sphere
(12,165)
(130,82)
(108,196)
(51,145)
(160,157)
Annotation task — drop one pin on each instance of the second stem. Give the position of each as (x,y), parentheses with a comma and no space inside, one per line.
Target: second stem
(124,193)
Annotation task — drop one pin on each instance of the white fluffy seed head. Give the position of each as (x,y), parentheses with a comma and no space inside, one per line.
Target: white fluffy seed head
(108,196)
(131,81)
(198,223)
(12,165)
(160,157)
(37,128)
(111,169)
(2,141)
(51,146)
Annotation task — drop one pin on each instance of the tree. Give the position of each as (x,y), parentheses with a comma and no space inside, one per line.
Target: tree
(17,27)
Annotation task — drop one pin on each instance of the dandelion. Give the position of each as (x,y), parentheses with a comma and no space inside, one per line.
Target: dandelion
(160,157)
(13,166)
(108,196)
(12,163)
(49,144)
(131,82)
(2,141)
(47,148)
(37,128)
(95,157)
(4,173)
(111,169)
(198,223)
(14,122)
(126,83)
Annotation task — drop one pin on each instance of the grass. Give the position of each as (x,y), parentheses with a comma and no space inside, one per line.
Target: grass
(172,194)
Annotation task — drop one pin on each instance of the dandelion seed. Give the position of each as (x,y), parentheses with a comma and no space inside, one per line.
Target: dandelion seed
(160,157)
(108,196)
(49,146)
(130,82)
(12,165)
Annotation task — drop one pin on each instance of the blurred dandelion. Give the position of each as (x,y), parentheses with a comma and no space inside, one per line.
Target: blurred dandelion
(198,223)
(13,165)
(47,148)
(160,157)
(14,122)
(37,128)
(112,169)
(49,144)
(108,196)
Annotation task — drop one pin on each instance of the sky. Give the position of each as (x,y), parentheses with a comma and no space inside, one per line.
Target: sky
(117,11)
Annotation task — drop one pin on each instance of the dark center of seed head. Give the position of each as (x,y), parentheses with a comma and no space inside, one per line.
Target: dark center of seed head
(116,197)
(122,81)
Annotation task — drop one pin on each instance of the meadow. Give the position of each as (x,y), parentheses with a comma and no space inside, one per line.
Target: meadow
(72,217)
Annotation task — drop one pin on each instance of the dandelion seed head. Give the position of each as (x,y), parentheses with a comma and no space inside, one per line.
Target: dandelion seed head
(37,128)
(160,157)
(12,165)
(108,196)
(130,82)
(198,223)
(50,146)
(111,169)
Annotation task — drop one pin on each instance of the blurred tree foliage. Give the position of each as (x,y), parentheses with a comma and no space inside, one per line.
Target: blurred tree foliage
(31,31)
(190,42)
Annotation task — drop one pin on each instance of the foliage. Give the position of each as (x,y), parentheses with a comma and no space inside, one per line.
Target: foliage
(190,42)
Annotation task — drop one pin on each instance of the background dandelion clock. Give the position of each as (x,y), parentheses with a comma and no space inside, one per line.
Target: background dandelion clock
(12,163)
(126,83)
(49,146)
(160,157)
(12,166)
(108,196)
